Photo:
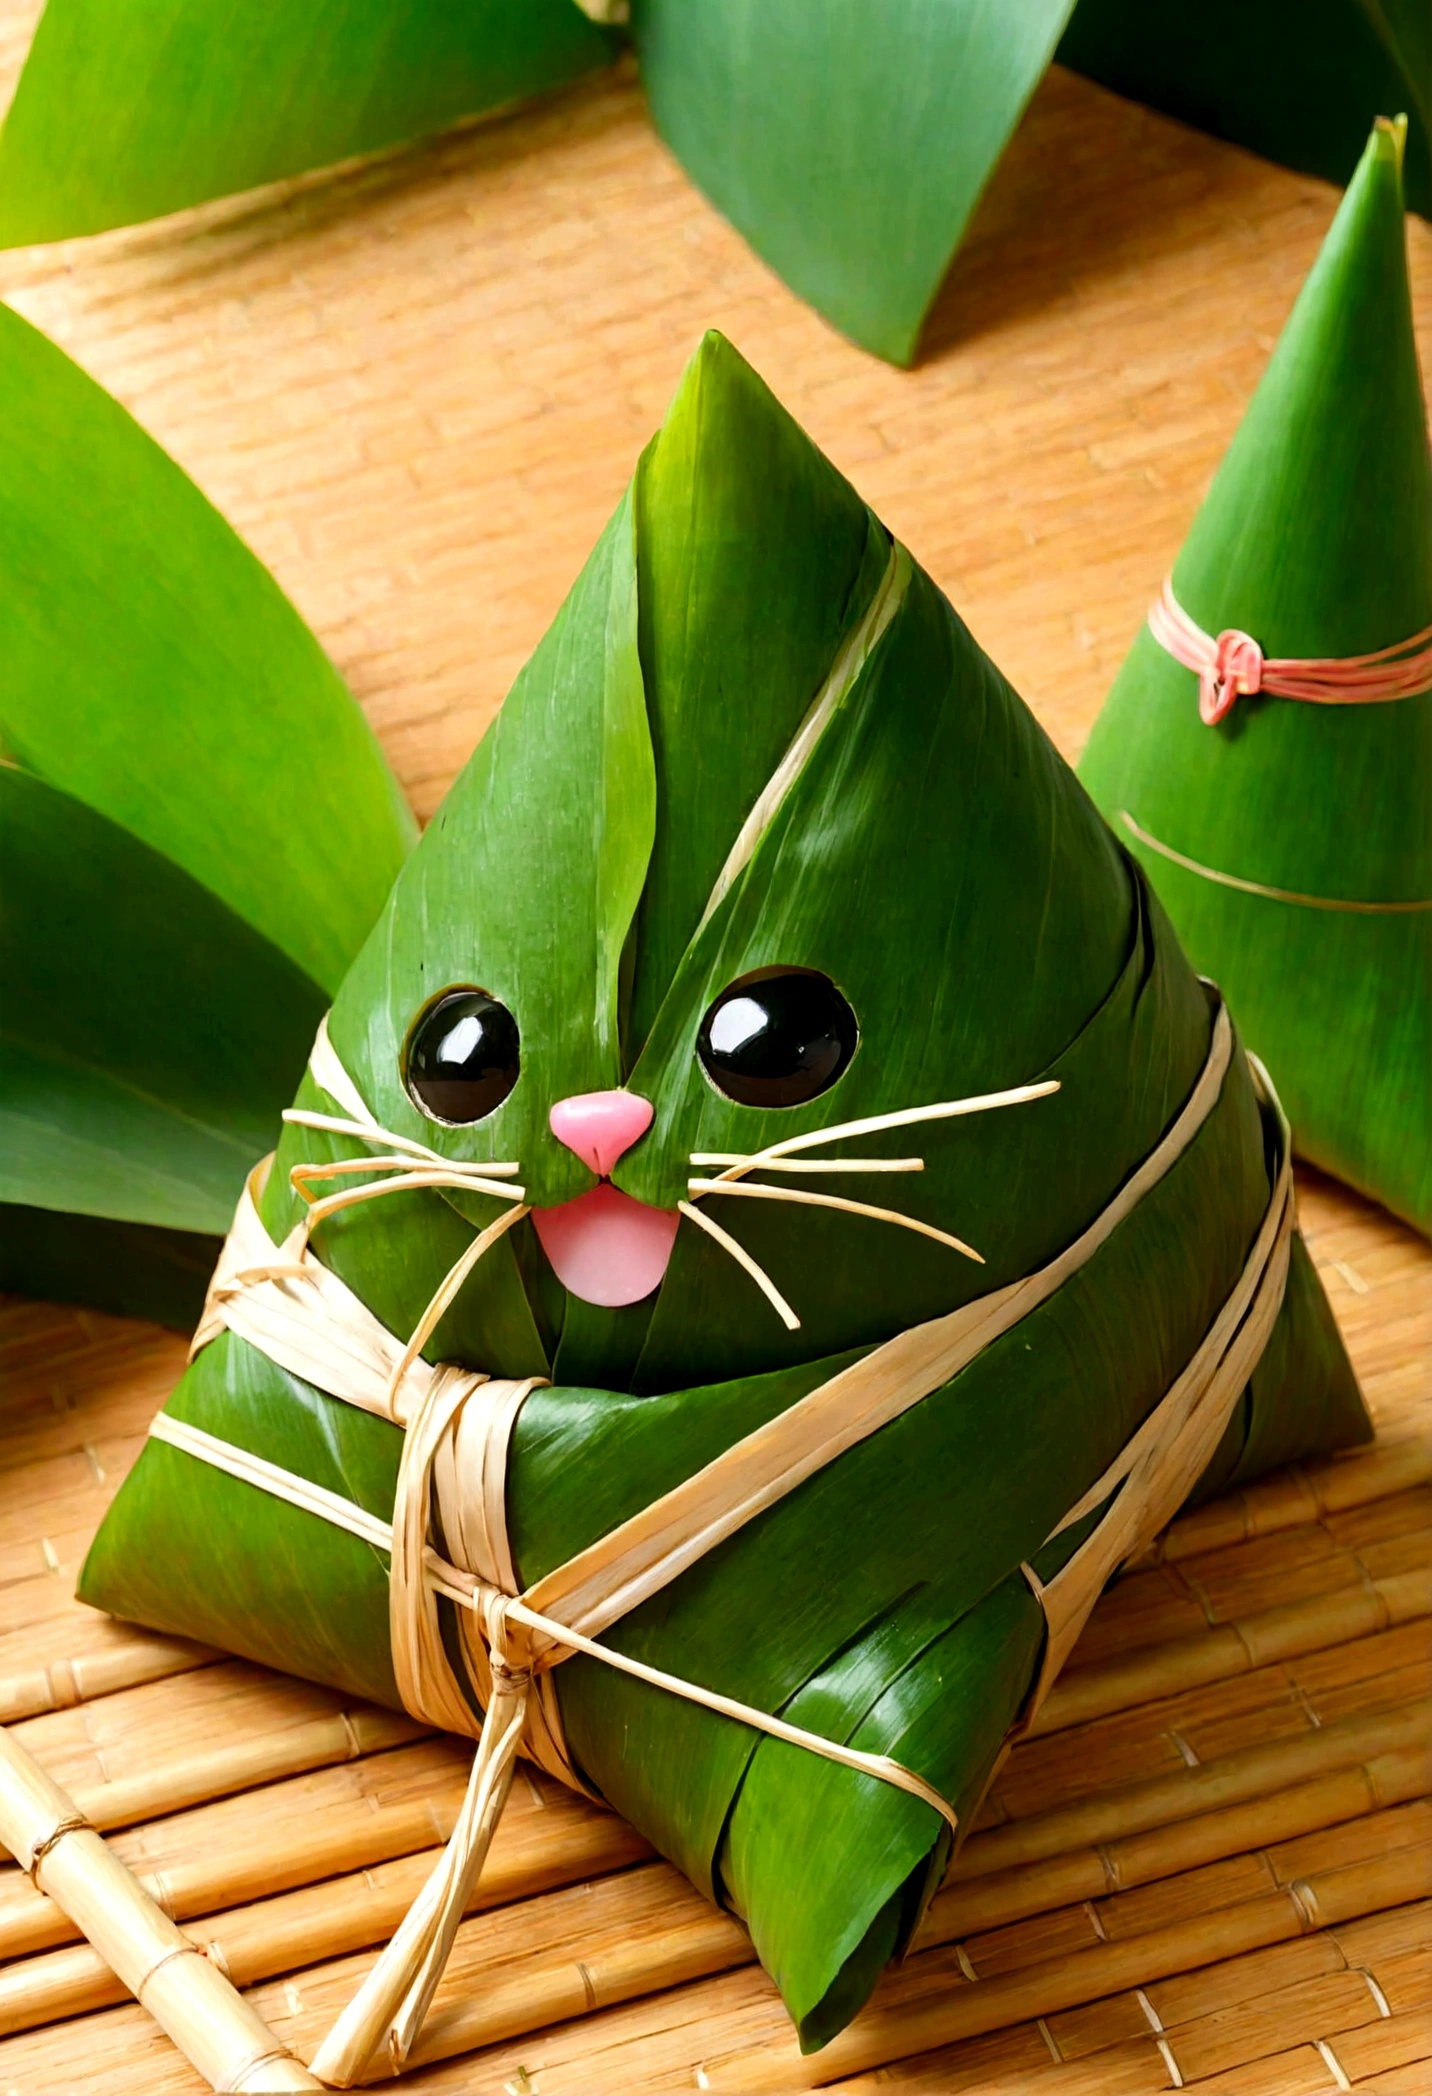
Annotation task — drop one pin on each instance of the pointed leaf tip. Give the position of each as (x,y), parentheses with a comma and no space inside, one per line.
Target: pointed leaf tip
(717,399)
(1394,130)
(716,354)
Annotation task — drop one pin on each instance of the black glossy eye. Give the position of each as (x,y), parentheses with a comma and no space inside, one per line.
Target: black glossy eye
(462,1057)
(777,1037)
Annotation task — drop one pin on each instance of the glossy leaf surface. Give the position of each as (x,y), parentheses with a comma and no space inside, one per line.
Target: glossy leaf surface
(148,1037)
(1299,81)
(848,144)
(131,108)
(196,830)
(155,671)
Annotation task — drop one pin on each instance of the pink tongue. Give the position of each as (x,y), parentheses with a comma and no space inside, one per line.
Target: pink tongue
(605,1247)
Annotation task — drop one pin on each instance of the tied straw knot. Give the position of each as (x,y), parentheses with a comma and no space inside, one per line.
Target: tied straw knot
(386,2014)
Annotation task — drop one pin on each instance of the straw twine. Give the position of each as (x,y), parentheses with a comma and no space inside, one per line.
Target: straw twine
(1269,894)
(452,1480)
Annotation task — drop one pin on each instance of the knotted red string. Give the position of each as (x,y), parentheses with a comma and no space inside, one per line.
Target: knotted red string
(1234,666)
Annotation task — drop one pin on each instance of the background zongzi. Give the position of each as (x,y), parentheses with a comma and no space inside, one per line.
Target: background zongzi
(1292,841)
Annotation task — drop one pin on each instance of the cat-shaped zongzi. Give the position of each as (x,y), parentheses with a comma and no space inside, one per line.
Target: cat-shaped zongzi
(761,845)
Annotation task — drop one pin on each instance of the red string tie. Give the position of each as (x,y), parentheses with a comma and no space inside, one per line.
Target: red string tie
(1234,666)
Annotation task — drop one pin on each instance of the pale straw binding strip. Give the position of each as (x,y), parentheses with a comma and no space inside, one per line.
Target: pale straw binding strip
(452,1481)
(844,671)
(1233,666)
(1233,880)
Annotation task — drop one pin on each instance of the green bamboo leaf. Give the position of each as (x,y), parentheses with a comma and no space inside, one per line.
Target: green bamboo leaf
(798,550)
(1299,81)
(848,144)
(128,109)
(129,1269)
(564,780)
(155,671)
(1316,539)
(148,1037)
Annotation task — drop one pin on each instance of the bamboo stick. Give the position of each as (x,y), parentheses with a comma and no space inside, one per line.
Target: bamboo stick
(1383,1881)
(296,1834)
(1399,2041)
(1373,1939)
(257,1843)
(1252,1772)
(330,1917)
(1133,2068)
(920,2011)
(1229,1649)
(64,1682)
(567,1956)
(349,1912)
(244,1764)
(979,1903)
(1292,1498)
(496,2001)
(1185,1996)
(1223,2039)
(276,1933)
(225,2038)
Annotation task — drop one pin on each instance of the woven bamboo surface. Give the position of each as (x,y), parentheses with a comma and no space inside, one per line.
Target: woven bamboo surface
(418,391)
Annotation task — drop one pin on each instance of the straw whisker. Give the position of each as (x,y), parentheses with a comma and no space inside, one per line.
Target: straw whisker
(416,1181)
(411,1182)
(803,1197)
(445,1293)
(337,1124)
(809,1164)
(343,1167)
(873,1124)
(744,1260)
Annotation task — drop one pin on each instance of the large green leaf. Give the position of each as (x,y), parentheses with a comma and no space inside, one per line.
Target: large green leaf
(154,670)
(1297,80)
(148,1037)
(131,1269)
(130,108)
(849,143)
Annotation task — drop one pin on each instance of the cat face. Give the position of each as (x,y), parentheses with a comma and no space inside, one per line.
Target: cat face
(726,878)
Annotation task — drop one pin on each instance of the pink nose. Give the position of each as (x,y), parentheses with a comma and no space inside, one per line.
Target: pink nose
(601,1126)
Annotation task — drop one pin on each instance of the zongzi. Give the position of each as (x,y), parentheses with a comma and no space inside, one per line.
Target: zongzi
(1266,750)
(772,1222)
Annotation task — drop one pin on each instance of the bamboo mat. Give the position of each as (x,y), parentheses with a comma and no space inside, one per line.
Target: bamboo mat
(418,391)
